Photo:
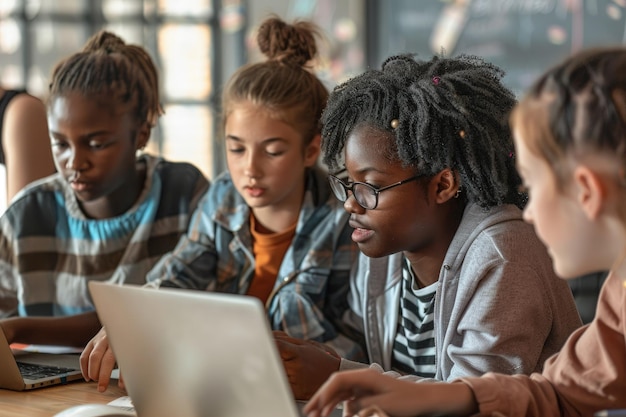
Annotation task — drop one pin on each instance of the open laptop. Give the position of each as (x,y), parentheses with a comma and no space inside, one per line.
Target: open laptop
(25,370)
(194,353)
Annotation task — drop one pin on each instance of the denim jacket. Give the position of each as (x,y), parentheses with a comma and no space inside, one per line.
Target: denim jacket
(310,293)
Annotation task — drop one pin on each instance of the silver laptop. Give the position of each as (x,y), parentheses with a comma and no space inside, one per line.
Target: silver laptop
(23,370)
(194,353)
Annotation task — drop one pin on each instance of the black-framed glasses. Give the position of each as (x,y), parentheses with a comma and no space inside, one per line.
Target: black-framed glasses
(365,194)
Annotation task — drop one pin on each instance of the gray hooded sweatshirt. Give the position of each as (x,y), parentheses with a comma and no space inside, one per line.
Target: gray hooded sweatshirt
(498,307)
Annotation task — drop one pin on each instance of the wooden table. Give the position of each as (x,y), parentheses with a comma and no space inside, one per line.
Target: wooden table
(46,402)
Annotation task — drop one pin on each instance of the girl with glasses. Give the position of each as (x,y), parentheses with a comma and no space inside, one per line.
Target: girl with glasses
(451,281)
(570,139)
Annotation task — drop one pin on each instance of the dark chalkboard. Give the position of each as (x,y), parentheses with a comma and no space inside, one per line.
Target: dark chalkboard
(524,37)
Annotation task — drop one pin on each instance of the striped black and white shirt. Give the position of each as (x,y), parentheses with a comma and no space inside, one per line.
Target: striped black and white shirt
(414,345)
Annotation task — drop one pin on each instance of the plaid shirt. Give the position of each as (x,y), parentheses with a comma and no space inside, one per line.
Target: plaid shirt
(310,293)
(49,250)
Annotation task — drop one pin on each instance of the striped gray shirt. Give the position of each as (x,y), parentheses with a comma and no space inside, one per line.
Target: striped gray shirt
(50,249)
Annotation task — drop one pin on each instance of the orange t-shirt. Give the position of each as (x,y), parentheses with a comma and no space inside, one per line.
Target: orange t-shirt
(269,250)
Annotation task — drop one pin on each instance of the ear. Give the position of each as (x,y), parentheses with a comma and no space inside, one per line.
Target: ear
(142,136)
(448,185)
(590,191)
(312,151)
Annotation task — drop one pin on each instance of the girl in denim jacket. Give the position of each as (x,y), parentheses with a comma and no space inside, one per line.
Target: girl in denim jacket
(270,226)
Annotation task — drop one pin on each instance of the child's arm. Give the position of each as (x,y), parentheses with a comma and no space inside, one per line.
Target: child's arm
(307,363)
(364,389)
(193,262)
(26,143)
(97,361)
(63,331)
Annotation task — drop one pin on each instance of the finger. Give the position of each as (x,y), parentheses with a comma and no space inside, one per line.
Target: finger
(364,407)
(369,405)
(285,338)
(107,363)
(325,400)
(279,334)
(93,357)
(120,382)
(320,410)
(98,343)
(373,411)
(351,407)
(324,347)
(347,385)
(285,350)
(84,360)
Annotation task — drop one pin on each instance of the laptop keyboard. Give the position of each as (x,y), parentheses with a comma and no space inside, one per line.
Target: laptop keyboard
(32,371)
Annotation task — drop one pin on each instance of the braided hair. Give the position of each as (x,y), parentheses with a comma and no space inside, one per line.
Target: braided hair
(443,113)
(108,66)
(283,85)
(578,107)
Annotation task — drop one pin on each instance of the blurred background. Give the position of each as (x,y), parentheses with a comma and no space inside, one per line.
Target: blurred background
(197,44)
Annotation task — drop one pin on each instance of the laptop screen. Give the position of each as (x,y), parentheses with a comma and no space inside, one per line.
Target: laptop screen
(192,353)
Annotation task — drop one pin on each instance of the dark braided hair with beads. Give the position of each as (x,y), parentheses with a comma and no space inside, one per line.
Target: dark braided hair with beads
(107,66)
(443,113)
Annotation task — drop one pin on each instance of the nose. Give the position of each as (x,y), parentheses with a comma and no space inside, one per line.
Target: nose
(252,168)
(76,161)
(351,205)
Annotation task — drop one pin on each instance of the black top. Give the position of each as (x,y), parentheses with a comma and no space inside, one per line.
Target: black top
(4,102)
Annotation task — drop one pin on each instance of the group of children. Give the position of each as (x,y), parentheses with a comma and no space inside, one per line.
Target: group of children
(413,259)
(570,136)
